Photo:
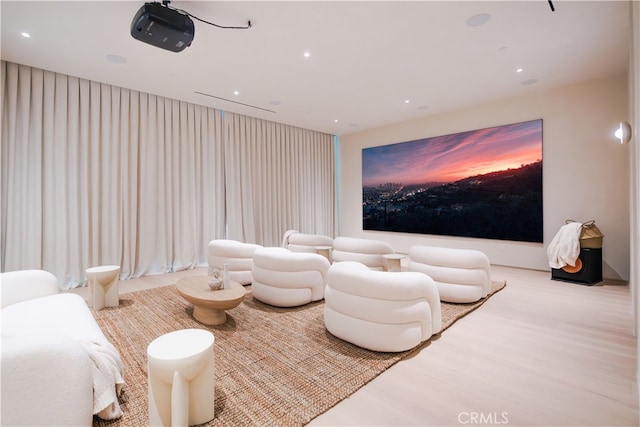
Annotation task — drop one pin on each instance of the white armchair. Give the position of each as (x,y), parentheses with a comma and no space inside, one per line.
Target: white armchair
(302,242)
(286,279)
(366,251)
(380,311)
(238,256)
(462,275)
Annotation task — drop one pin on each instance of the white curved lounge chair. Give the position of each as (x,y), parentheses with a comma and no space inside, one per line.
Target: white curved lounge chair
(462,275)
(286,279)
(303,242)
(381,311)
(366,251)
(238,256)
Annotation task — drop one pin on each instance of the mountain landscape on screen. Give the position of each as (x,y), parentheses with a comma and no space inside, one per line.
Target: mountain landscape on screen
(484,184)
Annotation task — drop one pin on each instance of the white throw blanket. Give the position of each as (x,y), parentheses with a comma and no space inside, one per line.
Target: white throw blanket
(107,371)
(564,249)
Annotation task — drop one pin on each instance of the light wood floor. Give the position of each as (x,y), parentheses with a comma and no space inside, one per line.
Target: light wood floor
(538,353)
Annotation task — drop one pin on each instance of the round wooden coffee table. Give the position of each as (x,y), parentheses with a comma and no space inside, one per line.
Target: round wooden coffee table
(208,305)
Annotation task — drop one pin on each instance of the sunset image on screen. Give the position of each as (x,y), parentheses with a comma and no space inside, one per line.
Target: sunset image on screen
(437,185)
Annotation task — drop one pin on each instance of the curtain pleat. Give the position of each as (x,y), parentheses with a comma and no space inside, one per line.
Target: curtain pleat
(21,189)
(94,174)
(130,184)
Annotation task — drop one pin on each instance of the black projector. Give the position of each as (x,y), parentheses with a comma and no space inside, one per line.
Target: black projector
(163,27)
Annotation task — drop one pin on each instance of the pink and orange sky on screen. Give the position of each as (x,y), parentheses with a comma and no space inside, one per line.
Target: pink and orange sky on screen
(453,157)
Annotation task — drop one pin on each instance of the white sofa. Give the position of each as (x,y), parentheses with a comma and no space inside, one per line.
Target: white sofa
(304,242)
(287,279)
(380,311)
(462,275)
(58,368)
(238,256)
(369,252)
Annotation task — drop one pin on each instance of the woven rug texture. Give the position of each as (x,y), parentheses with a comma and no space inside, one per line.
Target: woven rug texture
(274,366)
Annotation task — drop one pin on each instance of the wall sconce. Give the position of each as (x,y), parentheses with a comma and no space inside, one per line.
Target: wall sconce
(623,133)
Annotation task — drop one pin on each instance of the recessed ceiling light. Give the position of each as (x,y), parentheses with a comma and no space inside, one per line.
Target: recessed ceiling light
(25,35)
(406,101)
(478,20)
(519,70)
(235,92)
(306,54)
(335,121)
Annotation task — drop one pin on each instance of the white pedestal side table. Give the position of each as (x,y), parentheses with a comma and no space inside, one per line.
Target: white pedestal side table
(325,251)
(181,374)
(103,286)
(392,262)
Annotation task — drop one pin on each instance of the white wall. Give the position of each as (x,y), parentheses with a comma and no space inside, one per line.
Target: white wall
(585,172)
(634,119)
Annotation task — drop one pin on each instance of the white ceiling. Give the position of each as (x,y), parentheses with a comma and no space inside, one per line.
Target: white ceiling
(367,57)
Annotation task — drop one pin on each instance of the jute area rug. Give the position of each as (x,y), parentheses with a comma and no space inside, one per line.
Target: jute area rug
(274,366)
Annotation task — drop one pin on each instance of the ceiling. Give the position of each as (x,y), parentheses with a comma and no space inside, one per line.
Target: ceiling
(367,58)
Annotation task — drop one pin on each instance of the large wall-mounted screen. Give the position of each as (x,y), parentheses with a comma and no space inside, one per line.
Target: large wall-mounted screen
(484,183)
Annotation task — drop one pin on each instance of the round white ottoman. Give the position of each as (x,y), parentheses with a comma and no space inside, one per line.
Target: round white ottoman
(181,374)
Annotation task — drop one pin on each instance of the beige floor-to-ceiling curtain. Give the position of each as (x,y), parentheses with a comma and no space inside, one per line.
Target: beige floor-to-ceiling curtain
(279,177)
(94,174)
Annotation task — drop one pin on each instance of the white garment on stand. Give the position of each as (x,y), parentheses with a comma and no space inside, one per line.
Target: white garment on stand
(564,249)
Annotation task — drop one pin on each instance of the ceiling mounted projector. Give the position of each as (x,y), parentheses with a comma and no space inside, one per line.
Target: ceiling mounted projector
(163,27)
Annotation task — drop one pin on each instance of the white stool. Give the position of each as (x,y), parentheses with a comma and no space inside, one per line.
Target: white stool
(392,262)
(325,251)
(181,374)
(103,286)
